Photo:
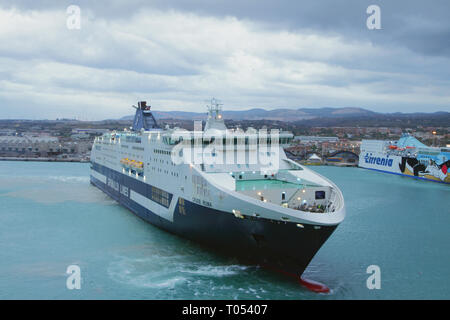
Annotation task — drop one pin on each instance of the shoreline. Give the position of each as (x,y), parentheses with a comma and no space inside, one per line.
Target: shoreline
(44,159)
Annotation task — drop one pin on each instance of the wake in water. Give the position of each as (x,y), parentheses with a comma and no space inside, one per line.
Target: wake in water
(214,270)
(160,271)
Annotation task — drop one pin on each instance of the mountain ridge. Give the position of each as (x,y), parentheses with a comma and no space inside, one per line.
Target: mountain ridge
(284,114)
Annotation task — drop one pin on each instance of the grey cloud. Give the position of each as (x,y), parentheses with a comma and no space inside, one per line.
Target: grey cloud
(253,53)
(404,22)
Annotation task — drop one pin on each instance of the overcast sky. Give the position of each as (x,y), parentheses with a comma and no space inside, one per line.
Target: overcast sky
(257,53)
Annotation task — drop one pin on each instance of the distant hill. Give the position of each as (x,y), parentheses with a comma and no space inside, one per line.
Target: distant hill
(262,114)
(332,115)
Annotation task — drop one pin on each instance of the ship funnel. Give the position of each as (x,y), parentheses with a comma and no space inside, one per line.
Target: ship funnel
(144,119)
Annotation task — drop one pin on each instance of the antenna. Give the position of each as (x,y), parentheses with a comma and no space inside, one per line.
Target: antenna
(214,108)
(215,119)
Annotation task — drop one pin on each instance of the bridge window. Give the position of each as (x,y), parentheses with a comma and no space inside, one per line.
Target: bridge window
(320,195)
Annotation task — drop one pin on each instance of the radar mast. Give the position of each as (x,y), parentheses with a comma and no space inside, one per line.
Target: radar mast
(215,118)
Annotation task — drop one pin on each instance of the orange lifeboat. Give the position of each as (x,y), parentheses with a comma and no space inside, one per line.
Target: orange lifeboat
(137,164)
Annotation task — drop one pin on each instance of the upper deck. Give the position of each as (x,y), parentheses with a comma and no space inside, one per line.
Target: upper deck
(250,163)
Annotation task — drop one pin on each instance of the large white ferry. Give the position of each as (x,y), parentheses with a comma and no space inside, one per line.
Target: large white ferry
(233,190)
(408,157)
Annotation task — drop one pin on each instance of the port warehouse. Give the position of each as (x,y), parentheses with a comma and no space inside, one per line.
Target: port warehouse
(329,150)
(40,146)
(341,157)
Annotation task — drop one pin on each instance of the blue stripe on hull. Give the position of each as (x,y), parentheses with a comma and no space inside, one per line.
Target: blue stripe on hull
(134,184)
(136,208)
(406,175)
(275,243)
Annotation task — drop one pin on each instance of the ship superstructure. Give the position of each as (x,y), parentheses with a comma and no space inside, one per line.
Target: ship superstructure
(231,189)
(408,157)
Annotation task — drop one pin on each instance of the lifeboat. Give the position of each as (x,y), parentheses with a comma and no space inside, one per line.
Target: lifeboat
(124,161)
(132,164)
(137,164)
(392,147)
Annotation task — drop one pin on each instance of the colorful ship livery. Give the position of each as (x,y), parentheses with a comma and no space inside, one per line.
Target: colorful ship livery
(407,156)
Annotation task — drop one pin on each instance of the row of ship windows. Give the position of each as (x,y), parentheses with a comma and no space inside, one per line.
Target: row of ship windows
(161,161)
(160,196)
(23,149)
(173,174)
(230,140)
(107,155)
(131,155)
(158,151)
(134,139)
